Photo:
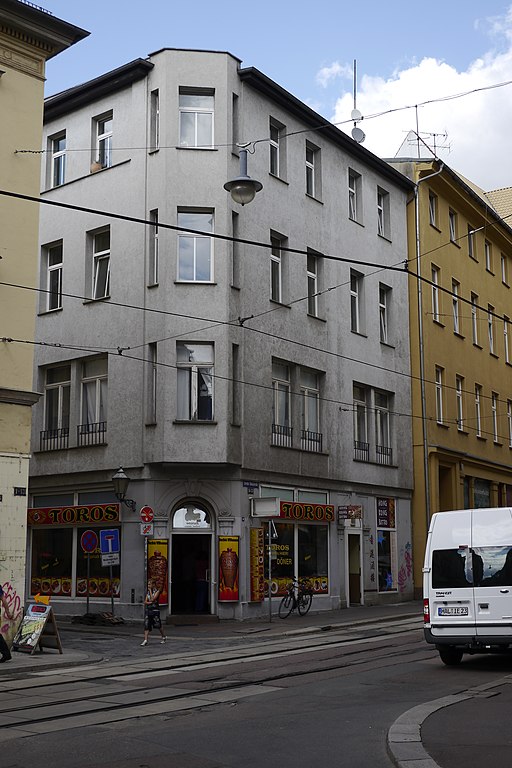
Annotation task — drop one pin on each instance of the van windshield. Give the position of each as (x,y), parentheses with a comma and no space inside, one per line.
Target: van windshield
(477,567)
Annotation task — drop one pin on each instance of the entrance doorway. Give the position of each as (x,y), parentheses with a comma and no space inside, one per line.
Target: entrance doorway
(190,573)
(354,569)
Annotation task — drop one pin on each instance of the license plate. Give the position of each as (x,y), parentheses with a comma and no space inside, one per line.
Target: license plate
(455,610)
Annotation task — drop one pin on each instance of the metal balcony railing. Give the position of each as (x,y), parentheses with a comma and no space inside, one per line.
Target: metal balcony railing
(384,454)
(92,434)
(53,439)
(361,451)
(311,441)
(282,435)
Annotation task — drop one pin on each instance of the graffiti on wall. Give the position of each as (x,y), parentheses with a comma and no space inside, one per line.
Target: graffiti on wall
(14,603)
(405,570)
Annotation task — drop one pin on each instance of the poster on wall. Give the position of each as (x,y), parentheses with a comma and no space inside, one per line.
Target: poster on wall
(228,568)
(385,513)
(158,566)
(257,565)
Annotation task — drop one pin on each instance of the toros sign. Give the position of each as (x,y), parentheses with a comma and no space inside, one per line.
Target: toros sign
(307,513)
(95,513)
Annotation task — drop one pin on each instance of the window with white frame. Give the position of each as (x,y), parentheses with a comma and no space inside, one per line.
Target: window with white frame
(504,269)
(153,248)
(494,414)
(506,338)
(311,439)
(383,226)
(101,264)
(478,410)
(490,327)
(459,395)
(474,317)
(104,136)
(154,120)
(276,268)
(354,196)
(57,390)
(312,170)
(435,293)
(152,378)
(509,422)
(94,395)
(361,445)
(384,310)
(471,242)
(439,394)
(196,108)
(281,405)
(432,208)
(312,278)
(53,256)
(456,306)
(276,148)
(382,428)
(488,255)
(58,159)
(195,367)
(452,221)
(195,248)
(356,301)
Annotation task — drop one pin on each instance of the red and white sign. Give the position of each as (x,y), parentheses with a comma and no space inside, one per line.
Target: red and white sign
(146,515)
(147,529)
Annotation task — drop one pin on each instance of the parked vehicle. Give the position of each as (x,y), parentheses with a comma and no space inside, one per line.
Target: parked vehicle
(467,582)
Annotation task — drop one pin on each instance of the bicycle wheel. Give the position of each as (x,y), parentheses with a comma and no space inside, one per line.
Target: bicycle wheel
(285,606)
(304,602)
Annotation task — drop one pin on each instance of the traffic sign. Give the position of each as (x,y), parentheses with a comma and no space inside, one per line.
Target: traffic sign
(111,559)
(109,541)
(147,529)
(89,541)
(146,515)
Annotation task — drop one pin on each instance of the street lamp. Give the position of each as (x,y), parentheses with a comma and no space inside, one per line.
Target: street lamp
(121,481)
(243,189)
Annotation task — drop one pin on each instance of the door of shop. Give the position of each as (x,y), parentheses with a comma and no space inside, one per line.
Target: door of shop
(190,573)
(354,569)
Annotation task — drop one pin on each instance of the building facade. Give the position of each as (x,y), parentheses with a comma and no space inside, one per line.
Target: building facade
(29,36)
(461,354)
(236,361)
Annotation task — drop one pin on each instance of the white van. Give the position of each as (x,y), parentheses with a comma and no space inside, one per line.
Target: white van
(467,582)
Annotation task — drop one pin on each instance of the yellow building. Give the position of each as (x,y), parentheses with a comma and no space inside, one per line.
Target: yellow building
(460,253)
(29,36)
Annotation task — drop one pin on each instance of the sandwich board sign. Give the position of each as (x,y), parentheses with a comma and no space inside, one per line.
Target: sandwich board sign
(38,628)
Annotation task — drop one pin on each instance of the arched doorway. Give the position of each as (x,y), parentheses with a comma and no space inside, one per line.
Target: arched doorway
(191,559)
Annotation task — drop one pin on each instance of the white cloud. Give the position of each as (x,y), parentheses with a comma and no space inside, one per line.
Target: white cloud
(335,70)
(478,124)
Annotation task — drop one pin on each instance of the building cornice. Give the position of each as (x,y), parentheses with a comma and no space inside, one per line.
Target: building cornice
(18,397)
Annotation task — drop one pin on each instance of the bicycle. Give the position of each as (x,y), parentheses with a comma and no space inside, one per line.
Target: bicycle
(299,596)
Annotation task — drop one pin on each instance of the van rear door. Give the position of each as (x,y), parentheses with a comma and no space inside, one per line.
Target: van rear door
(492,572)
(451,598)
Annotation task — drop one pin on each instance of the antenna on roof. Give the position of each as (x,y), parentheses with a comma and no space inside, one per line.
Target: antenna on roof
(357,134)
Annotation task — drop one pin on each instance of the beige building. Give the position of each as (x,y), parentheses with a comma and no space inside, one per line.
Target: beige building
(29,36)
(460,281)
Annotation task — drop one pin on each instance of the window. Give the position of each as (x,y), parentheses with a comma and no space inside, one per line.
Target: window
(459,394)
(509,422)
(474,317)
(313,177)
(153,248)
(383,228)
(312,276)
(386,545)
(58,159)
(488,256)
(356,301)
(154,121)
(354,196)
(384,304)
(361,445)
(196,118)
(281,405)
(382,429)
(104,133)
(504,269)
(52,255)
(490,327)
(195,250)
(439,394)
(478,412)
(152,376)
(101,265)
(311,439)
(56,408)
(195,381)
(494,412)
(506,337)
(432,209)
(236,247)
(455,306)
(94,401)
(452,220)
(276,149)
(435,293)
(471,242)
(276,269)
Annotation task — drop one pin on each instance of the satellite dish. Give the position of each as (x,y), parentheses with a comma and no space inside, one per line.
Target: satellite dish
(356,115)
(358,135)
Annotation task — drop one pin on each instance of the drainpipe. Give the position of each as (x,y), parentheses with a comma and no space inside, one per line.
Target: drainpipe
(421,341)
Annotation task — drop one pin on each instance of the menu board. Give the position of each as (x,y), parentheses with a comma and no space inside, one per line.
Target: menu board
(38,628)
(257,557)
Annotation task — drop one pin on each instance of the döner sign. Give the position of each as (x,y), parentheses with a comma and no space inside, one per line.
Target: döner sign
(308,513)
(96,513)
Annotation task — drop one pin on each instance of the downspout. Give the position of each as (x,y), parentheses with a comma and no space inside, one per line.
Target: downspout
(421,341)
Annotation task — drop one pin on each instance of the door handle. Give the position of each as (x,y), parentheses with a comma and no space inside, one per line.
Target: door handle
(504,591)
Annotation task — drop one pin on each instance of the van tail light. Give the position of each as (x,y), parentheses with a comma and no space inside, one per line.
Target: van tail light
(426,612)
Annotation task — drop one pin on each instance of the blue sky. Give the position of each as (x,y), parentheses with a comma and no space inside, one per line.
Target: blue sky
(406,54)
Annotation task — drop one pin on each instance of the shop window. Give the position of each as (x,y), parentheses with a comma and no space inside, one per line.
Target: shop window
(54,500)
(52,564)
(312,555)
(386,545)
(191,517)
(102,580)
(299,551)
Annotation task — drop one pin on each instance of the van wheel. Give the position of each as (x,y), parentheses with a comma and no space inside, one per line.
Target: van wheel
(450,655)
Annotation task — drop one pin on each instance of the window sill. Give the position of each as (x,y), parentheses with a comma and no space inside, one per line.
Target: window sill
(313,197)
(387,344)
(459,335)
(497,444)
(493,354)
(94,300)
(482,438)
(195,282)
(359,333)
(280,303)
(442,425)
(463,432)
(490,271)
(477,345)
(235,287)
(195,422)
(152,285)
(153,151)
(278,178)
(438,322)
(49,311)
(356,221)
(455,243)
(315,317)
(384,237)
(434,226)
(201,149)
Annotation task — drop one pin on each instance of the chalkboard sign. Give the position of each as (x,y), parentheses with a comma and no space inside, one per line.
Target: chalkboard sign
(38,628)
